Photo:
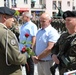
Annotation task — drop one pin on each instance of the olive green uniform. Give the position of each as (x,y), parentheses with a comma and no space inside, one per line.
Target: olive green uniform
(69,51)
(10,57)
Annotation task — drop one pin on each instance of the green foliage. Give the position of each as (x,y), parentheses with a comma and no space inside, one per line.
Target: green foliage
(25,43)
(17,13)
(25,48)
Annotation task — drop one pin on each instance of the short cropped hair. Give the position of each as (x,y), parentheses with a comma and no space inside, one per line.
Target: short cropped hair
(27,14)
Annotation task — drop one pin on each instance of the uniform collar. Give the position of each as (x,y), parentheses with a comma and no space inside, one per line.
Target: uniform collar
(71,35)
(2,25)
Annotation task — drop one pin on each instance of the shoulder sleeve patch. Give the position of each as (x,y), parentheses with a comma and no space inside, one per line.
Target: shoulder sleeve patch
(13,42)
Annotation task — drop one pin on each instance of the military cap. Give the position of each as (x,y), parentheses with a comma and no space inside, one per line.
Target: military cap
(69,14)
(7,11)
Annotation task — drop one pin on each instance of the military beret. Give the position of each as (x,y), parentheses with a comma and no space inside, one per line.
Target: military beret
(7,11)
(69,14)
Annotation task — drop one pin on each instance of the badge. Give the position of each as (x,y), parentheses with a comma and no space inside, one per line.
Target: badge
(13,42)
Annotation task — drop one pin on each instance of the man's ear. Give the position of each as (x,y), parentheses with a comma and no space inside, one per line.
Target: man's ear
(50,20)
(4,17)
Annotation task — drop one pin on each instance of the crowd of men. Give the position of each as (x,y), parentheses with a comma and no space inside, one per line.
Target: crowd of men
(46,43)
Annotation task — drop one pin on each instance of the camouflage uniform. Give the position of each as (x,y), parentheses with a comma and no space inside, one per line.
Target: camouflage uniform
(69,51)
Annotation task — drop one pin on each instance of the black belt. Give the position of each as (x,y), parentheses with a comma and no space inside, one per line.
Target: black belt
(44,60)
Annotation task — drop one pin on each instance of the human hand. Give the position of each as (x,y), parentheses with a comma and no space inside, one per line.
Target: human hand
(55,59)
(35,59)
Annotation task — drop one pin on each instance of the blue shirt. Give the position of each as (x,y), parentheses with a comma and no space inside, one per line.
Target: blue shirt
(43,37)
(31,29)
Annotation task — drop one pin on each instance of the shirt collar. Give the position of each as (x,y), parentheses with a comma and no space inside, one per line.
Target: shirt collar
(26,23)
(47,28)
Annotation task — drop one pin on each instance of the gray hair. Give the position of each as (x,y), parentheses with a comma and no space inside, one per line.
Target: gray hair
(27,14)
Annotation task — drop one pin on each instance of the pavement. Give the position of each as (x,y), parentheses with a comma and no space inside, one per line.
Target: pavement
(35,72)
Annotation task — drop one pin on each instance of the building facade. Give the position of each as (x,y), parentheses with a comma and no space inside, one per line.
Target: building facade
(74,4)
(36,7)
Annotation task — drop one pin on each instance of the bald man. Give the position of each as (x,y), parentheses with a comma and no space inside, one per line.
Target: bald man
(46,37)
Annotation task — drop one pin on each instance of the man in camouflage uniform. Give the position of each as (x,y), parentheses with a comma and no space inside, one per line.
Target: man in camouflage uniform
(10,56)
(64,51)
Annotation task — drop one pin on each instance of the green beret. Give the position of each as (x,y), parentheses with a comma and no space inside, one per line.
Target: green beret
(7,11)
(69,14)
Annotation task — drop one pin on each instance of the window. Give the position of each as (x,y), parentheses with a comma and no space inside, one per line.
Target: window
(59,4)
(54,13)
(13,2)
(6,3)
(73,7)
(40,2)
(25,1)
(54,5)
(68,3)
